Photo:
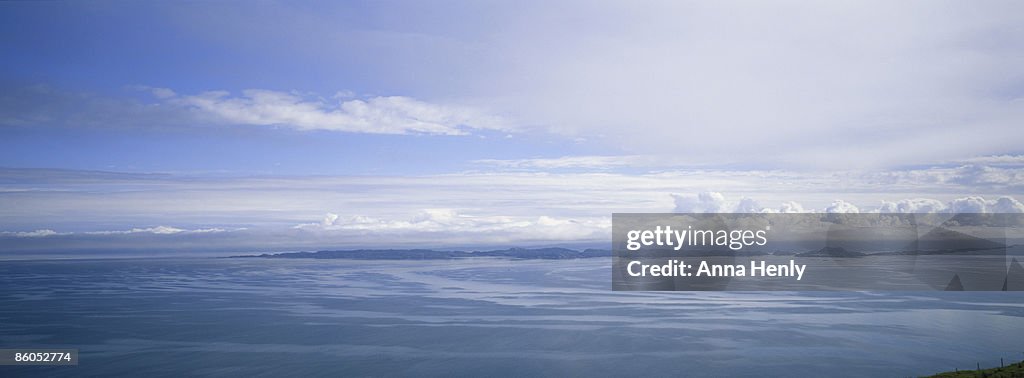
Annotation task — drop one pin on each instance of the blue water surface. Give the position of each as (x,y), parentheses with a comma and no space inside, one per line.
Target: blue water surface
(474,317)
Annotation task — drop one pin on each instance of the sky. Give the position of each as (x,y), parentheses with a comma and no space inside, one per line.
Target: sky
(282,125)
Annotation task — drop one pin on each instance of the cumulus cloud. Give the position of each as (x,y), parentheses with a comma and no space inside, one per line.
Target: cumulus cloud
(1007,205)
(973,204)
(748,205)
(329,219)
(703,202)
(841,207)
(913,205)
(715,202)
(791,207)
(377,115)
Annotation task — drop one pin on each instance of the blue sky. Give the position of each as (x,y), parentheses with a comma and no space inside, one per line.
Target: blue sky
(92,58)
(310,124)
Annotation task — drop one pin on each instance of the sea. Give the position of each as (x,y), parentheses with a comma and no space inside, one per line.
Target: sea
(255,317)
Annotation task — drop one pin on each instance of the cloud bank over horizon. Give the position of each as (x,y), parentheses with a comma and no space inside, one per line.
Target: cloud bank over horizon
(81,210)
(447,228)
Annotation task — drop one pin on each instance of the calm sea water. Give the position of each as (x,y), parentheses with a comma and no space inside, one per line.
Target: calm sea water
(479,317)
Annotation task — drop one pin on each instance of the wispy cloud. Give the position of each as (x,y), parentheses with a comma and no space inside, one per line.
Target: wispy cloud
(42,106)
(30,234)
(162,230)
(590,162)
(376,115)
(715,202)
(785,85)
(158,230)
(996,160)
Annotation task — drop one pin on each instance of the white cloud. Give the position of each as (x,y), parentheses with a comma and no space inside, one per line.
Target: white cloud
(978,177)
(703,202)
(164,230)
(748,205)
(722,82)
(329,219)
(972,204)
(161,93)
(791,207)
(1008,205)
(377,115)
(1003,174)
(996,160)
(714,202)
(158,230)
(913,205)
(449,225)
(30,234)
(43,106)
(986,175)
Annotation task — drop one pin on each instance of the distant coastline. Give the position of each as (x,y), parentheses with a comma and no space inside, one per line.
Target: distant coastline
(430,254)
(557,253)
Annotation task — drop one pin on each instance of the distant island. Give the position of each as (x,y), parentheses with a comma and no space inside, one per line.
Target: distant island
(430,254)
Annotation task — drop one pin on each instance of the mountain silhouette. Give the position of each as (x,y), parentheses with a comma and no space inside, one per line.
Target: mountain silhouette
(954,284)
